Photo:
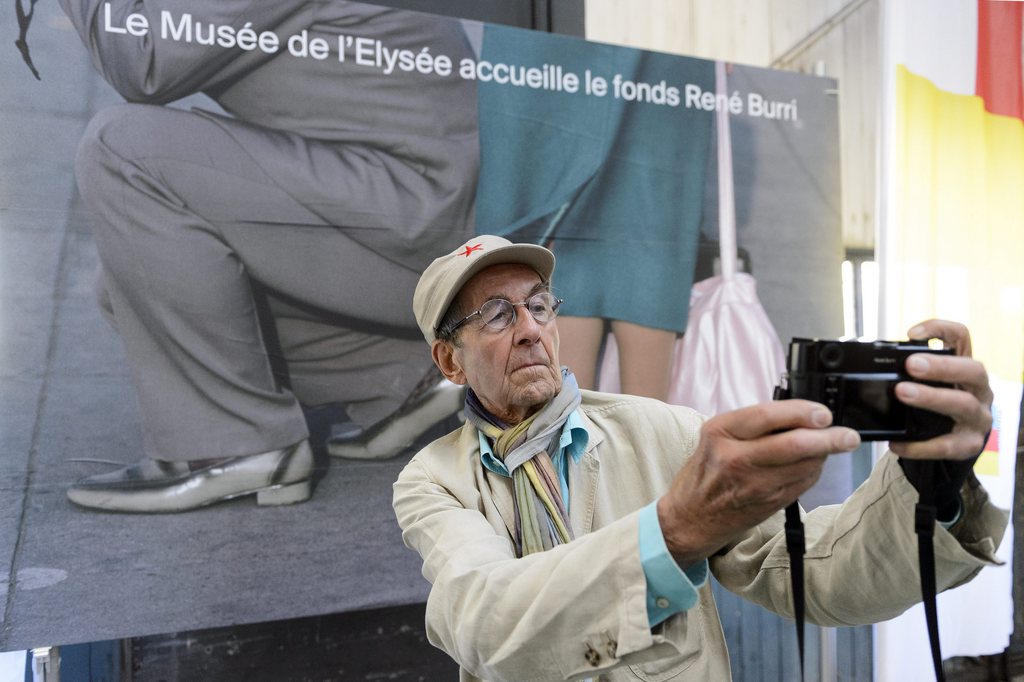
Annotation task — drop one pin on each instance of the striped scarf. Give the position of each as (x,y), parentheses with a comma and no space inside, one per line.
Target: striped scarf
(526,448)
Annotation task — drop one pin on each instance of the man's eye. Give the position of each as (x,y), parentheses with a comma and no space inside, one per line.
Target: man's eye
(499,314)
(539,308)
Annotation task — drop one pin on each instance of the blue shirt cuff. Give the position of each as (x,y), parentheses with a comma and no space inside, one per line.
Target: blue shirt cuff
(670,589)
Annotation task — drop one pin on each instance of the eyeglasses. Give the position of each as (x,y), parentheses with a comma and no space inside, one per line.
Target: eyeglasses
(498,314)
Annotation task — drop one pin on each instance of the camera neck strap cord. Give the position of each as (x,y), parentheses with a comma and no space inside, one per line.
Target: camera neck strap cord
(924,525)
(925,514)
(795,547)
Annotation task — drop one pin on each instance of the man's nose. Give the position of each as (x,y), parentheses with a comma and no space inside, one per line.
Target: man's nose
(527,329)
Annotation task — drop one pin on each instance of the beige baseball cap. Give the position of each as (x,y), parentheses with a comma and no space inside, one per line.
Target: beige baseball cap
(441,282)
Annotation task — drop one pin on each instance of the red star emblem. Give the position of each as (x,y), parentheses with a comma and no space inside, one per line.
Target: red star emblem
(471,249)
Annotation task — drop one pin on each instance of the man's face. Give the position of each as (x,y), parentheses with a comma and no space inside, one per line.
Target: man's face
(514,371)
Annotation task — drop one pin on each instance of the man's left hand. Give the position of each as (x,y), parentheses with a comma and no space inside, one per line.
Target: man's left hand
(968,403)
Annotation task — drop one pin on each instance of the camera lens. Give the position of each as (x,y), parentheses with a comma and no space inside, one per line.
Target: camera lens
(831,355)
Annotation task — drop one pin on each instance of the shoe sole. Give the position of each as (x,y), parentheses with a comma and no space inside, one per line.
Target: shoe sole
(274,496)
(183,495)
(285,494)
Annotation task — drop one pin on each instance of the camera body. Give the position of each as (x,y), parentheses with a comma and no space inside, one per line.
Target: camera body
(856,380)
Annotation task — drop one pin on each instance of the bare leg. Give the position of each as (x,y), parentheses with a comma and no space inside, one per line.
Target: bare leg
(645,359)
(580,340)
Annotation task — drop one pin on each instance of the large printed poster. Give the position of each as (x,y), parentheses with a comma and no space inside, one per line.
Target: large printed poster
(212,219)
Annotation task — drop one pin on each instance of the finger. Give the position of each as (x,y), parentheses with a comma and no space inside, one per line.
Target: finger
(792,492)
(797,445)
(777,491)
(963,371)
(948,368)
(962,406)
(960,444)
(781,454)
(972,418)
(765,418)
(952,334)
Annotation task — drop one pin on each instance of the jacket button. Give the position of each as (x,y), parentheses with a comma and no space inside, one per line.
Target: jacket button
(661,603)
(593,658)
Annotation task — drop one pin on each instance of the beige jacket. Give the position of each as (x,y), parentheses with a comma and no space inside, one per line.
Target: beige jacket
(579,610)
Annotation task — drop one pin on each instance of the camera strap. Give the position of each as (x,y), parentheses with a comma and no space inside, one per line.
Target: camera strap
(925,514)
(795,548)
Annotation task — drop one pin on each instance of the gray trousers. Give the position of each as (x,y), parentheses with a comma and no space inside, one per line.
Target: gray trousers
(187,220)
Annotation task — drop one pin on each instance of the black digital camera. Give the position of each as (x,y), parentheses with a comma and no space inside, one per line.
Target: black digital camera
(856,380)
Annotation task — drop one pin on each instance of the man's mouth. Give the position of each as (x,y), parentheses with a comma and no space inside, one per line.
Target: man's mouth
(528,365)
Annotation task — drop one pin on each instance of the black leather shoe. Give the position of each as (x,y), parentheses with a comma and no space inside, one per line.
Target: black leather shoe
(390,436)
(151,486)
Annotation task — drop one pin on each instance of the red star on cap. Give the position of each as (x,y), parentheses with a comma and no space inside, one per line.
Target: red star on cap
(471,249)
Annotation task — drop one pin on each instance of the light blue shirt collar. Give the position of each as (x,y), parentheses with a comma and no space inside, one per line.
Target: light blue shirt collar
(573,440)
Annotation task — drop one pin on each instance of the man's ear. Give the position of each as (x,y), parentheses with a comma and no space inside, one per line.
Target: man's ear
(444,357)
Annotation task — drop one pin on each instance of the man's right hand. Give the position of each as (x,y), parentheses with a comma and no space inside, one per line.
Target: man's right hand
(749,464)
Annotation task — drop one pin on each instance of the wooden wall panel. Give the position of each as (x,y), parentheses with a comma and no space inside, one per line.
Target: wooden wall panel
(850,53)
(627,22)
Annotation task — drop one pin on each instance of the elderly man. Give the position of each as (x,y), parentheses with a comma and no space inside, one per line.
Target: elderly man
(569,533)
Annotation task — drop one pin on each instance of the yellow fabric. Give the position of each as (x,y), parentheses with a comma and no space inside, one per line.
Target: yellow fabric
(506,440)
(957,242)
(531,472)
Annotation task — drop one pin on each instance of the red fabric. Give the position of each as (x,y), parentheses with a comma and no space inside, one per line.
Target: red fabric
(998,79)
